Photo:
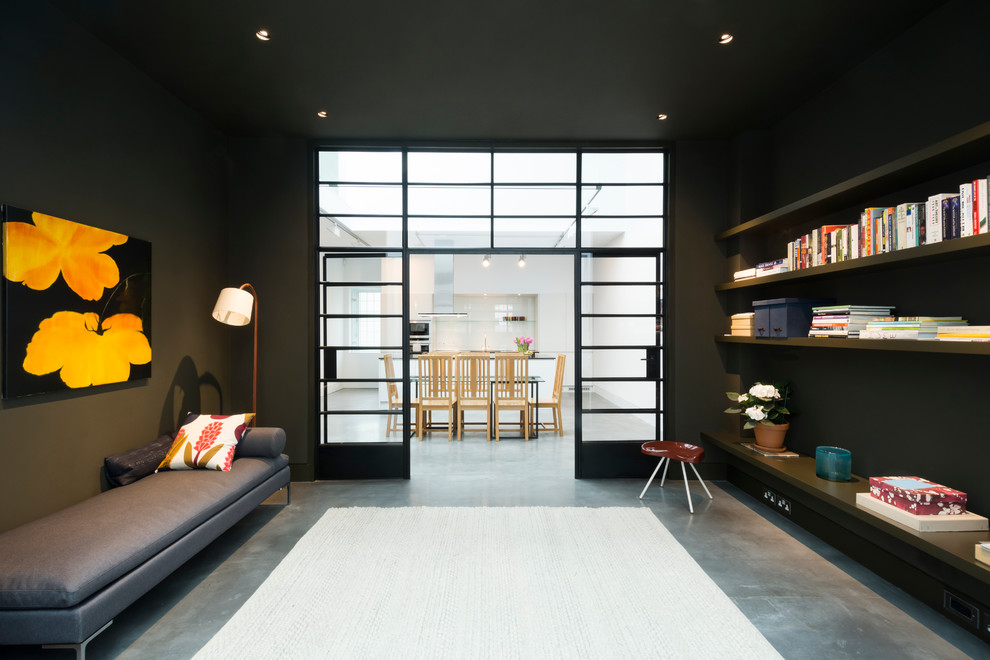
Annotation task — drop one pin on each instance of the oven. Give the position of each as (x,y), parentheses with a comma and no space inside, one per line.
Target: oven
(419,337)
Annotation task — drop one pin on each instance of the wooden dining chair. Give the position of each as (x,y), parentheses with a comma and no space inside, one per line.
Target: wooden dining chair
(474,391)
(395,399)
(509,389)
(552,402)
(437,390)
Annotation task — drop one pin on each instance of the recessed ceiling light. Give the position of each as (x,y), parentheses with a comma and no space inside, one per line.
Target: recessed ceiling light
(322,114)
(725,38)
(263,35)
(661,116)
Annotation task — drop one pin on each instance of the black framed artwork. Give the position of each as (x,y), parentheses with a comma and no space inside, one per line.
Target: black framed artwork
(76,305)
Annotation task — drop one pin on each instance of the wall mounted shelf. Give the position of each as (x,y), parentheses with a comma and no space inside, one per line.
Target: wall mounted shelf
(932,565)
(953,549)
(923,254)
(961,150)
(903,345)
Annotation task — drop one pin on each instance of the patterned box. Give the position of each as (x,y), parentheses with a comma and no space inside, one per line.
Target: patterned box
(918,496)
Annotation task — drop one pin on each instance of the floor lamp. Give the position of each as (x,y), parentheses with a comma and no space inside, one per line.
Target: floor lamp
(235,307)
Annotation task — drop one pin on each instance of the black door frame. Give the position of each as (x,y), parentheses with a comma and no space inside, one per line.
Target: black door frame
(592,459)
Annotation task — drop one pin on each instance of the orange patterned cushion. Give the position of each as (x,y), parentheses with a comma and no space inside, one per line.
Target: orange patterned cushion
(206,441)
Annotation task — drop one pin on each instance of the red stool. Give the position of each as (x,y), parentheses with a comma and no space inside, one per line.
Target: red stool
(675,451)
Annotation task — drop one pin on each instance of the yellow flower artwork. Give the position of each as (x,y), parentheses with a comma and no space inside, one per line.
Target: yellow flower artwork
(86,351)
(76,304)
(37,253)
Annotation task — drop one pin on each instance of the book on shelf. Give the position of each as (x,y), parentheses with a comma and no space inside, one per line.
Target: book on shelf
(889,226)
(744,274)
(961,522)
(983,553)
(949,216)
(772,454)
(771,267)
(934,218)
(980,206)
(963,333)
(875,228)
(965,209)
(850,309)
(915,224)
(909,327)
(845,320)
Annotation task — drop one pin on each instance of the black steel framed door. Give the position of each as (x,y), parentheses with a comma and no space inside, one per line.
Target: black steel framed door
(363,346)
(620,364)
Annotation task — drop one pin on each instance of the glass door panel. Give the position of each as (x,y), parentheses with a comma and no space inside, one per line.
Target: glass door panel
(621,366)
(362,338)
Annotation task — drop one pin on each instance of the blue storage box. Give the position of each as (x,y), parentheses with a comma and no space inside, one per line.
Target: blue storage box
(785,317)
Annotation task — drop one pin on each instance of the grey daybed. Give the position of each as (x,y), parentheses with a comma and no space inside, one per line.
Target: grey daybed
(65,576)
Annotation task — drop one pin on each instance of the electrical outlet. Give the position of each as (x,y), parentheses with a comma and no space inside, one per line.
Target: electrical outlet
(784,505)
(776,501)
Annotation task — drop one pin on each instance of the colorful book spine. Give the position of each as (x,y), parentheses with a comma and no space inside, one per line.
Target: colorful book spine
(876,229)
(980,191)
(900,233)
(933,219)
(965,210)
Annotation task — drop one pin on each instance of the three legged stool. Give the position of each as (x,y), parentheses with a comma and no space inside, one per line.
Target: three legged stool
(675,451)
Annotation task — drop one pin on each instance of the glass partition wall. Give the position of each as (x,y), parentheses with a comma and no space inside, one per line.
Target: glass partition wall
(475,247)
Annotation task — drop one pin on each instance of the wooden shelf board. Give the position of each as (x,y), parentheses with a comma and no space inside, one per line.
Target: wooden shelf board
(903,345)
(952,548)
(923,254)
(962,150)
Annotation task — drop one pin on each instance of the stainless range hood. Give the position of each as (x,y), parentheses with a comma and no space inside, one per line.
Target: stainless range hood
(443,289)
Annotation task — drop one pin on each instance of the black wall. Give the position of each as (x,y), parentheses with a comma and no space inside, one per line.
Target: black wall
(700,205)
(899,413)
(87,137)
(270,246)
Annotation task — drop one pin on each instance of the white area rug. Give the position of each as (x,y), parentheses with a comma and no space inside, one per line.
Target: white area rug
(488,583)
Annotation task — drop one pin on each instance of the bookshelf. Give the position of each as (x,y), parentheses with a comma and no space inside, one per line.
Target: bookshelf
(888,385)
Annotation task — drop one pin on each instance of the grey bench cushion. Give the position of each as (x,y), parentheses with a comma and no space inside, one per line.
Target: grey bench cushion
(61,559)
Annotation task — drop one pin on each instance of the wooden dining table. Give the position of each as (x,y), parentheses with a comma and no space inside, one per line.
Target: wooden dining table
(534,386)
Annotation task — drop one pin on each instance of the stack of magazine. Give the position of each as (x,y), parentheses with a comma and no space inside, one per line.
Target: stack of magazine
(845,320)
(911,327)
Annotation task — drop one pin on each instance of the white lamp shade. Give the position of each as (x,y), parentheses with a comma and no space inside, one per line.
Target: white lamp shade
(234,307)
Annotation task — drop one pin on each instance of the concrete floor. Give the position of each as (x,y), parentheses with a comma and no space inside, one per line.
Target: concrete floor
(809,600)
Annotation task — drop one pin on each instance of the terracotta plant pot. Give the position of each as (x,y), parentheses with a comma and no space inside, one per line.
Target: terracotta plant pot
(771,436)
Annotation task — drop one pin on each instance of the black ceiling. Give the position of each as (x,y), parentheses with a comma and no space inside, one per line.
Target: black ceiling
(515,69)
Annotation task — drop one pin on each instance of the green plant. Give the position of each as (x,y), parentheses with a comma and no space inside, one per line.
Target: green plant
(764,403)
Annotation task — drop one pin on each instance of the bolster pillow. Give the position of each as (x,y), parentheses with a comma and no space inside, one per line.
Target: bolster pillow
(262,442)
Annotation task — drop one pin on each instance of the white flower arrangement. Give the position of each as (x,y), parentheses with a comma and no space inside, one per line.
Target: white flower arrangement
(764,403)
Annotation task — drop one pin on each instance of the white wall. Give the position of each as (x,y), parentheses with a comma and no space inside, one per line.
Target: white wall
(549,277)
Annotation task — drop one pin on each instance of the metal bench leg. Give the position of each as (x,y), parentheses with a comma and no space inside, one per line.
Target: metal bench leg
(80,648)
(657,469)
